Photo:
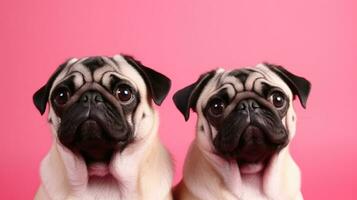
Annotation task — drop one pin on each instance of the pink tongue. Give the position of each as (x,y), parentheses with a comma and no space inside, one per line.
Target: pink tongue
(251,168)
(98,169)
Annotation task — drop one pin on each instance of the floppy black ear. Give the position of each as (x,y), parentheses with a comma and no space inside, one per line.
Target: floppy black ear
(298,85)
(40,97)
(159,85)
(187,97)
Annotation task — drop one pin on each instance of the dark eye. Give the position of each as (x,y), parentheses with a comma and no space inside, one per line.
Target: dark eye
(61,96)
(216,107)
(278,99)
(123,92)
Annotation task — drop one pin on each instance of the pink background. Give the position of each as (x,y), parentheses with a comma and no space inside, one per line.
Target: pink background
(182,39)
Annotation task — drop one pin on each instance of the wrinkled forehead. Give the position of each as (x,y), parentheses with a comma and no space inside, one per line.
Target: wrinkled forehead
(100,69)
(258,79)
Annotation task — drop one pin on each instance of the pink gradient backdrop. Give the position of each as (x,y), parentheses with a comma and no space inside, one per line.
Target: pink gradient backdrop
(316,39)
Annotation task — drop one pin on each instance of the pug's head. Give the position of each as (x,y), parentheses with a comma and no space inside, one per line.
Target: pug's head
(245,115)
(100,105)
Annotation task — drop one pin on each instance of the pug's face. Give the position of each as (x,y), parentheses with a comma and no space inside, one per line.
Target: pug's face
(245,115)
(100,105)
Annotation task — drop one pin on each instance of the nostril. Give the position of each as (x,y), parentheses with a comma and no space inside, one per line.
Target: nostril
(241,106)
(98,98)
(254,105)
(84,98)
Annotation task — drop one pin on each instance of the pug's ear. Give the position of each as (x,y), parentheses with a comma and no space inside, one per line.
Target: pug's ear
(298,85)
(187,97)
(158,84)
(40,98)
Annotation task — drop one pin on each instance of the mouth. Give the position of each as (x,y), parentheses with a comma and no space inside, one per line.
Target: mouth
(92,142)
(251,150)
(93,145)
(254,152)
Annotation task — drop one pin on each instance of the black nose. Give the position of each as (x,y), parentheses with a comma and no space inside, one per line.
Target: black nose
(91,97)
(248,105)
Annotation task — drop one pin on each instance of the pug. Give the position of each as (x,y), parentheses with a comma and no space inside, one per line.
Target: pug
(245,122)
(105,131)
